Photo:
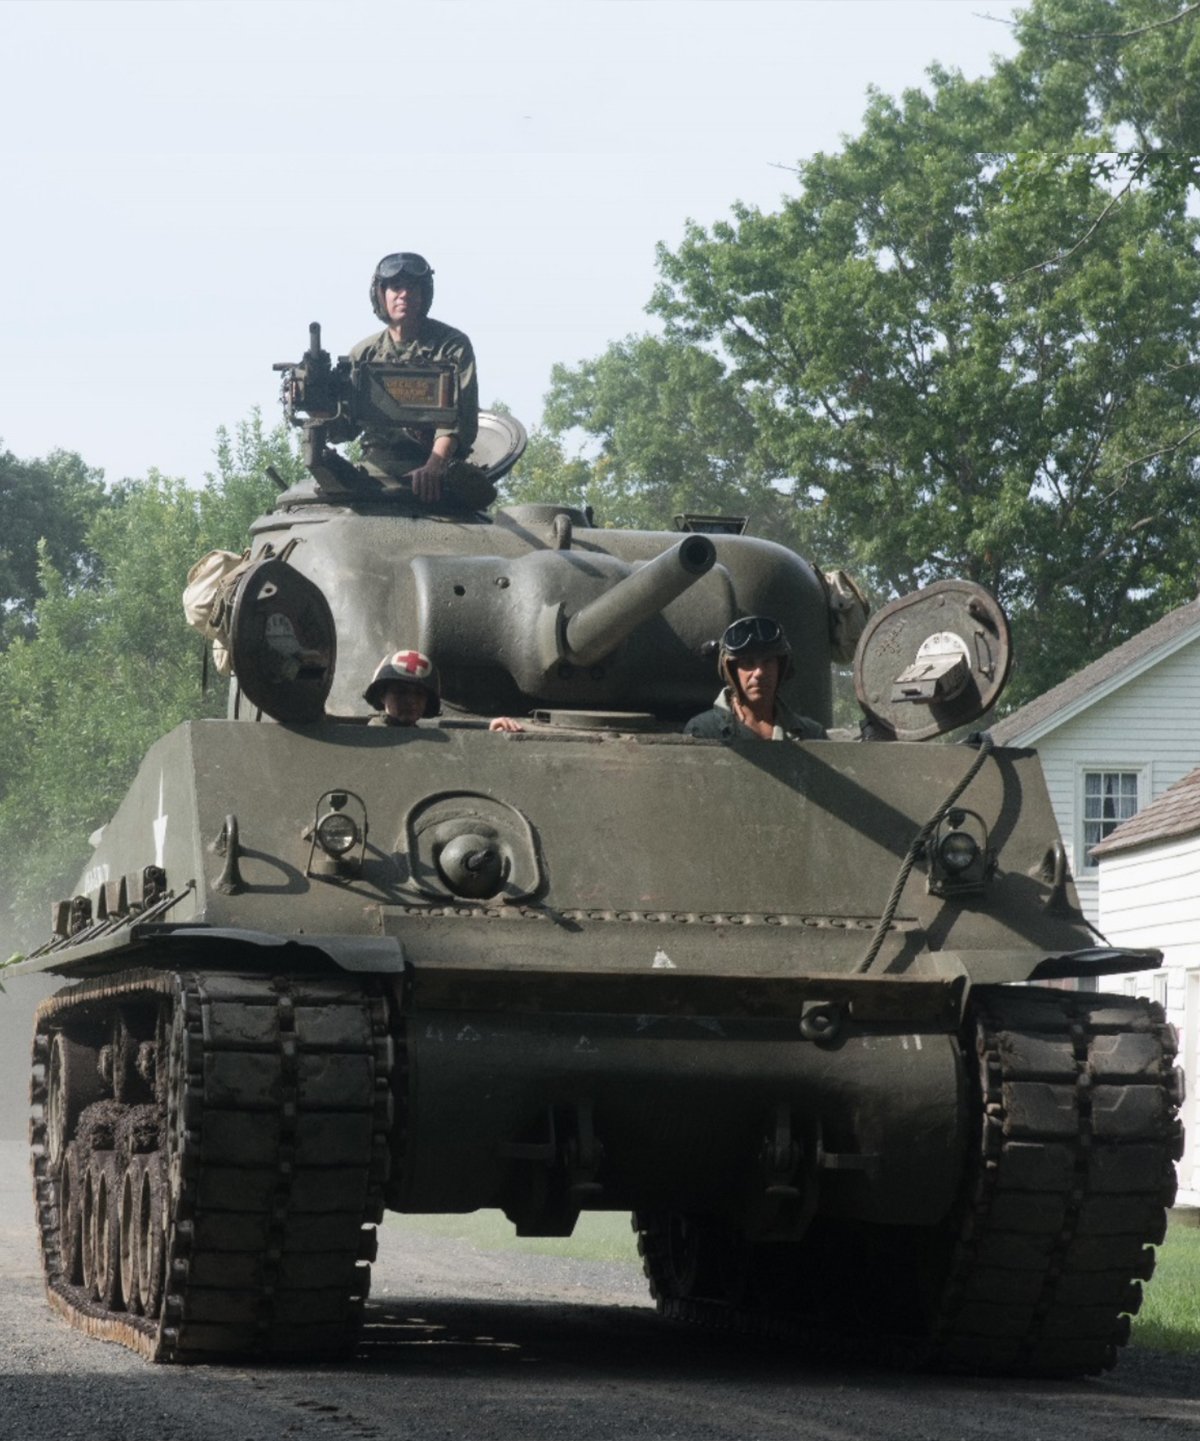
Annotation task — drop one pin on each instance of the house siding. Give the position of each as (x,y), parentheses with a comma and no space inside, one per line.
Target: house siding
(1151,726)
(1151,897)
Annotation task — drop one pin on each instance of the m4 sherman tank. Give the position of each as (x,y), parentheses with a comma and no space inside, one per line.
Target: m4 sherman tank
(761,996)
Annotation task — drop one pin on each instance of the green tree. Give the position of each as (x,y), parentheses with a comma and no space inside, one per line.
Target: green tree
(253,465)
(1132,64)
(545,474)
(109,663)
(667,433)
(924,395)
(672,434)
(1105,74)
(49,500)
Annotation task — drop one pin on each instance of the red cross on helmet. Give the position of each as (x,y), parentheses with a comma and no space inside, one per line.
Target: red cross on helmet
(412,663)
(406,667)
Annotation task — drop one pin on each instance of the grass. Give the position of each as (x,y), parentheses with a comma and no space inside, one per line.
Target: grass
(599,1235)
(1170,1316)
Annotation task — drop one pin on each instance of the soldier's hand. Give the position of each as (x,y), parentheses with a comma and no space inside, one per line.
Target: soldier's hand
(505,723)
(426,480)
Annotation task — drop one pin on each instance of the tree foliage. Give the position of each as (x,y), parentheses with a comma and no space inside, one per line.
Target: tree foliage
(1116,73)
(109,663)
(673,434)
(1132,64)
(47,501)
(887,371)
(545,474)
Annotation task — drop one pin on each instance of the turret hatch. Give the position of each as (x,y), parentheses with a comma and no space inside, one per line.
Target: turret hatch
(283,642)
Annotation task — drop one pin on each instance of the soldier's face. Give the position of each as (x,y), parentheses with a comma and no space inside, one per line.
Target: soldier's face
(404,703)
(403,299)
(758,679)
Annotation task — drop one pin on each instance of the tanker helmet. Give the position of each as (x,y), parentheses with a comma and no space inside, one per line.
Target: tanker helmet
(752,638)
(406,667)
(402,262)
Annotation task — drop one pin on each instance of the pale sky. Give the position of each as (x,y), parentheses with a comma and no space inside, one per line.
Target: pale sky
(187,183)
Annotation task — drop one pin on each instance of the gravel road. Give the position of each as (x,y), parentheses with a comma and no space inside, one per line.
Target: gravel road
(465,1343)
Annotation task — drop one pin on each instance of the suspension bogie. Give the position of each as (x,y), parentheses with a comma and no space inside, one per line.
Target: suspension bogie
(208,1155)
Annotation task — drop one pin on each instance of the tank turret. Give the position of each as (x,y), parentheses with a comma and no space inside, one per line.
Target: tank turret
(526,610)
(557,624)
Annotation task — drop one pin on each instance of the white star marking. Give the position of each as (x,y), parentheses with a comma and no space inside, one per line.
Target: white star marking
(160,826)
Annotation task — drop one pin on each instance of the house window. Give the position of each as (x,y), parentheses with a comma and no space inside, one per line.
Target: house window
(1109,797)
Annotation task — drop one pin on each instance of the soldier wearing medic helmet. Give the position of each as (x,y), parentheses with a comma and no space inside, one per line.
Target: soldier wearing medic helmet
(404,689)
(753,660)
(401,295)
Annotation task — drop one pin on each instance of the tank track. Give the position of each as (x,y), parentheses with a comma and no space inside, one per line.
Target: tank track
(1038,1271)
(1079,1098)
(218,1198)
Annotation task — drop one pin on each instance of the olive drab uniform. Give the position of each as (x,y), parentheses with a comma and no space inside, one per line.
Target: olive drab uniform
(721,724)
(398,451)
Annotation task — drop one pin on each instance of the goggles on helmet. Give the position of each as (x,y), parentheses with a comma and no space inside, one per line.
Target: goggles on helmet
(403,263)
(752,632)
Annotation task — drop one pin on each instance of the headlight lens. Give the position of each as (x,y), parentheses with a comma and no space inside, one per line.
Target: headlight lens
(337,833)
(958,852)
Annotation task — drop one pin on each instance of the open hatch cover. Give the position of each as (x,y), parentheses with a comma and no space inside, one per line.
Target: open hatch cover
(933,660)
(283,642)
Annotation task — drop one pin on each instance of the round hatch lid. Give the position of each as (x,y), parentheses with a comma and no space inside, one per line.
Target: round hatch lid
(933,661)
(499,443)
(283,642)
(597,720)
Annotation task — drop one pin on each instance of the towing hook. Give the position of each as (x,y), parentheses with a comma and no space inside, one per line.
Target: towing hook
(820,1021)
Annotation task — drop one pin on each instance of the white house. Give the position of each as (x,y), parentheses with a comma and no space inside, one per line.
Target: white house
(1150,896)
(1114,736)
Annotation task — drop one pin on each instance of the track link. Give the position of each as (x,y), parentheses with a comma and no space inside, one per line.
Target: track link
(1079,1095)
(260,1166)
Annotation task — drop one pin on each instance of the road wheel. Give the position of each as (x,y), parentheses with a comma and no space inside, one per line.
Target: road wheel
(70,1205)
(131,1185)
(106,1238)
(150,1234)
(691,1258)
(87,1227)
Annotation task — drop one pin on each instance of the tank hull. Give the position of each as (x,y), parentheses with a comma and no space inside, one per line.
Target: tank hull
(738,859)
(679,1026)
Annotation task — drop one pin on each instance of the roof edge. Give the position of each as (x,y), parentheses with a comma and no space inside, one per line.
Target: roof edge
(1091,696)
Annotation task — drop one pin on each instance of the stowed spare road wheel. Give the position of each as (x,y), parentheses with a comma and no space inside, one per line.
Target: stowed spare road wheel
(209,1157)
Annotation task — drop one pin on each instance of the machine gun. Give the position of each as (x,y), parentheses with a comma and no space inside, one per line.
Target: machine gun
(334,402)
(374,396)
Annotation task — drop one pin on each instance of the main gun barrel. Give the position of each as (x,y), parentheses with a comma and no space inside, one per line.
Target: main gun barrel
(591,633)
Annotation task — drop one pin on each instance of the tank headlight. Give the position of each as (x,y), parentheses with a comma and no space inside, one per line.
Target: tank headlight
(339,829)
(957,852)
(337,833)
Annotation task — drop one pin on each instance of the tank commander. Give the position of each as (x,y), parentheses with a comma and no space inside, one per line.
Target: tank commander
(401,296)
(404,689)
(754,659)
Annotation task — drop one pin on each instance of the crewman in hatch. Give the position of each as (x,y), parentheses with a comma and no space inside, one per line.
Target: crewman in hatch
(404,689)
(401,296)
(754,659)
